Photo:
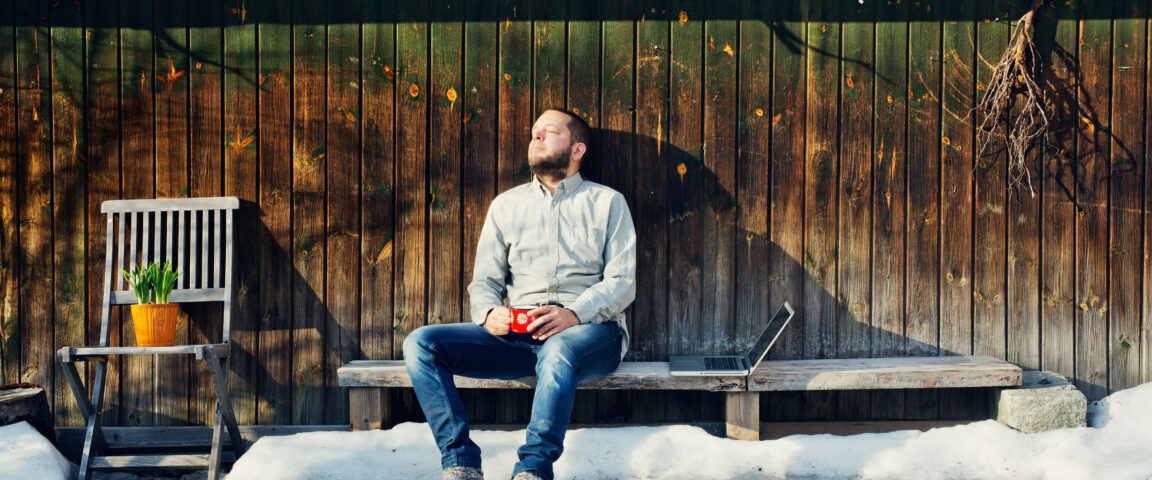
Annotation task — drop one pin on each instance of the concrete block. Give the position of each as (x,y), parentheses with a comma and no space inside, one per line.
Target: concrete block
(1045,401)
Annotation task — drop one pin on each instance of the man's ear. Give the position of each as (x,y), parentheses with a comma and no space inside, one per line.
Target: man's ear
(578,151)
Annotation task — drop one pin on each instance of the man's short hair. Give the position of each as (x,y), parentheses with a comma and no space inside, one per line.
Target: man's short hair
(579,130)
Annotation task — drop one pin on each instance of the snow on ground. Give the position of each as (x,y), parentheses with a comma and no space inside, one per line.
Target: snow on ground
(25,454)
(1116,445)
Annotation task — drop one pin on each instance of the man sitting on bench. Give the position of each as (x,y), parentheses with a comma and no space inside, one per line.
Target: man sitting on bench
(566,248)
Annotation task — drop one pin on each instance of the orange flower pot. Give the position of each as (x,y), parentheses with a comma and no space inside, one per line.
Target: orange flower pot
(155,325)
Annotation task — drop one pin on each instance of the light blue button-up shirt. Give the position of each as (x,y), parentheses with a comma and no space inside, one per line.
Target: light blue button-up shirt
(576,248)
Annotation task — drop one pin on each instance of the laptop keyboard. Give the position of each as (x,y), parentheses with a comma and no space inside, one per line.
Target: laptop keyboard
(721,363)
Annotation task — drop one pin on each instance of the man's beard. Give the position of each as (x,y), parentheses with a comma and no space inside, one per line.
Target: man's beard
(554,167)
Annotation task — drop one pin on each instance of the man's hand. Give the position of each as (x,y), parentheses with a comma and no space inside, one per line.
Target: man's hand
(550,320)
(498,320)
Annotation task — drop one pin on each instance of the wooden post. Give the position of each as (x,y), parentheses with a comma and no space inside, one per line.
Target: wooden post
(368,407)
(742,415)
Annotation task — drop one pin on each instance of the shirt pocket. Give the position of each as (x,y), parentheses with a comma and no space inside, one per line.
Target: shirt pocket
(587,245)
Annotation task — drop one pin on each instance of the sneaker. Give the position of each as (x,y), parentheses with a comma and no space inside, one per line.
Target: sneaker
(462,473)
(527,475)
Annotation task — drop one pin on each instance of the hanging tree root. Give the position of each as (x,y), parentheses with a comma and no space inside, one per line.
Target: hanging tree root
(1012,108)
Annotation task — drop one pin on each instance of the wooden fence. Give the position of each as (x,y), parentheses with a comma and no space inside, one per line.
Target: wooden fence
(819,152)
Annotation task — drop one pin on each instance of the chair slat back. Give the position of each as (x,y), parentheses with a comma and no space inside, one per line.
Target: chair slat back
(147,231)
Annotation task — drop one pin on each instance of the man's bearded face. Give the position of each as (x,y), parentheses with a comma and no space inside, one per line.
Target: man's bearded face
(554,165)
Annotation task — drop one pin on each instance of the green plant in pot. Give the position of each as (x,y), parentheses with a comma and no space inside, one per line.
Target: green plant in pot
(153,318)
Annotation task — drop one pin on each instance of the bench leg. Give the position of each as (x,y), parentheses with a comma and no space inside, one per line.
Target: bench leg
(742,415)
(368,408)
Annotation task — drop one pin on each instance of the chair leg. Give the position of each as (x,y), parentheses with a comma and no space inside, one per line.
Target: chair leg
(73,377)
(93,436)
(217,448)
(224,415)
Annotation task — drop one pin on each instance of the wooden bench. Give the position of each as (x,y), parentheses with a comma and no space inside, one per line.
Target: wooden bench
(369,409)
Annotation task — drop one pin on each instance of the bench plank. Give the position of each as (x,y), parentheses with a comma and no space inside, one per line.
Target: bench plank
(884,373)
(630,376)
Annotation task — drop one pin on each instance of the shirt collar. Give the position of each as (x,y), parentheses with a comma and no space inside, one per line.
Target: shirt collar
(568,185)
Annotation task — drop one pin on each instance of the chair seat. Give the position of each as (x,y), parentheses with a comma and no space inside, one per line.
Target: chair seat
(68,354)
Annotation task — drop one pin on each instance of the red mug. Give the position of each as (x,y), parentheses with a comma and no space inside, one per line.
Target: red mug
(521,319)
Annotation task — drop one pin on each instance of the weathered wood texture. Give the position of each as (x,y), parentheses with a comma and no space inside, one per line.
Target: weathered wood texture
(819,152)
(781,375)
(630,376)
(743,415)
(1092,188)
(884,373)
(27,404)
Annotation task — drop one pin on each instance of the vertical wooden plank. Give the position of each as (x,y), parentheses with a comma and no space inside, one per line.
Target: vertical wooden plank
(718,263)
(787,276)
(1058,274)
(650,313)
(70,194)
(274,43)
(34,157)
(889,196)
(170,68)
(853,255)
(445,229)
(9,208)
(103,176)
(956,193)
(617,86)
(1092,192)
(1126,204)
(377,173)
(206,167)
(549,68)
(1146,318)
(990,172)
(478,102)
(411,173)
(137,138)
(1023,305)
(515,114)
(956,180)
(924,93)
(854,262)
(309,164)
(754,178)
(685,180)
(241,178)
(342,329)
(820,192)
(650,338)
(890,121)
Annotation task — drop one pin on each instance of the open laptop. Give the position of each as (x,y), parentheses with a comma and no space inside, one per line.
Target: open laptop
(737,365)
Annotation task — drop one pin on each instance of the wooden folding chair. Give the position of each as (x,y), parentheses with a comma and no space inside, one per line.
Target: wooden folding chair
(195,234)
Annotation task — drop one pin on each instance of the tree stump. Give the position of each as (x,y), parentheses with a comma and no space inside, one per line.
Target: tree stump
(26,402)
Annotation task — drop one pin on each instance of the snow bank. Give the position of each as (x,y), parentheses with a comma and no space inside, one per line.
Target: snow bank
(25,454)
(1116,446)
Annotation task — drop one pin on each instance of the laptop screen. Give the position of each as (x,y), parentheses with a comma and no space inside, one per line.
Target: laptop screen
(768,336)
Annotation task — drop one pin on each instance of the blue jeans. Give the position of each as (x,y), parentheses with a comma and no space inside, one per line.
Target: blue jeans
(436,352)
